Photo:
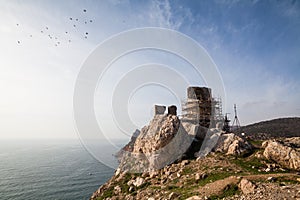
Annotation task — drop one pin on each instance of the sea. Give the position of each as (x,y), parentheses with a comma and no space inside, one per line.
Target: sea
(49,170)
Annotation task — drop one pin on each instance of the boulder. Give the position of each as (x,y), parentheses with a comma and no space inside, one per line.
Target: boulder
(160,143)
(282,152)
(197,176)
(117,189)
(232,144)
(247,186)
(118,171)
(138,182)
(158,134)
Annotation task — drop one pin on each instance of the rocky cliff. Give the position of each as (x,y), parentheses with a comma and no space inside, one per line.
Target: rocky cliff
(158,144)
(173,159)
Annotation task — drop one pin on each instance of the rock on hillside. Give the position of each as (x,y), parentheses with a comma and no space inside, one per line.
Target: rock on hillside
(216,176)
(167,139)
(286,153)
(158,134)
(158,144)
(231,144)
(153,166)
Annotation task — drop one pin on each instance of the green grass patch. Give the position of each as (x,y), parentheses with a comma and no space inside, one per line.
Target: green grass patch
(214,177)
(256,143)
(172,187)
(155,187)
(188,194)
(123,182)
(247,164)
(176,180)
(183,192)
(187,171)
(107,193)
(144,185)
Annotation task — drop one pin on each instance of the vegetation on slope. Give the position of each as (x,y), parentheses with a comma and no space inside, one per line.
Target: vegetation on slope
(282,127)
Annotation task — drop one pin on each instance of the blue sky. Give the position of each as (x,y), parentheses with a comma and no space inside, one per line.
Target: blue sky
(255,45)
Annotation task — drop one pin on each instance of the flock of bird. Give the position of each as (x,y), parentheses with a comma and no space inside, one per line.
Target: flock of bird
(46,31)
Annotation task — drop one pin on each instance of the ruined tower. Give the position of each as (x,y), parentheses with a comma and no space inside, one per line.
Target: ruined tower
(198,106)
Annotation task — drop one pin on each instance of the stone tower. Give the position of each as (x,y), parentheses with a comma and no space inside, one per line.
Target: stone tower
(198,106)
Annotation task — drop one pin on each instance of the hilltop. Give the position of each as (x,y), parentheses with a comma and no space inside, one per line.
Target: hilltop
(185,158)
(282,127)
(236,168)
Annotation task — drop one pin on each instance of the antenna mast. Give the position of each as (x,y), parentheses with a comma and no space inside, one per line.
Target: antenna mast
(236,123)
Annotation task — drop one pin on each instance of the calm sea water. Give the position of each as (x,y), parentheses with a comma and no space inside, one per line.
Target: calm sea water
(49,170)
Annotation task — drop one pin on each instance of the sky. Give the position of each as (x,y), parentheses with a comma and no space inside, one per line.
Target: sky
(254,44)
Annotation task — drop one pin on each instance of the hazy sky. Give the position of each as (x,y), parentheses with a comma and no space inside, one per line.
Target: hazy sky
(255,45)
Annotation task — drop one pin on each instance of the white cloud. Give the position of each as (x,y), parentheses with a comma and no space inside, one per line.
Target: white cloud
(161,14)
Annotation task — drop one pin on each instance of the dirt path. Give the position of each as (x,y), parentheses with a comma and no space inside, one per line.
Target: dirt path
(265,176)
(218,186)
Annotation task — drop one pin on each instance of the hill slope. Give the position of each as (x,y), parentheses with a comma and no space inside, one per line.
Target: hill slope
(282,127)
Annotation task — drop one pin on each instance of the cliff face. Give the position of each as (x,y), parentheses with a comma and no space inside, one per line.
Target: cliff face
(161,130)
(158,144)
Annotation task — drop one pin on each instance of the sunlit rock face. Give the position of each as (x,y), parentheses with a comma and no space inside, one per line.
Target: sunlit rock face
(232,144)
(158,144)
(286,153)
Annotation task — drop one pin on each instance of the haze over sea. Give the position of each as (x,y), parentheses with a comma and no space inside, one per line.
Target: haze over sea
(49,170)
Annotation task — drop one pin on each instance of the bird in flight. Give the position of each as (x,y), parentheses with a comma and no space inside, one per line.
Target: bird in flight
(51,36)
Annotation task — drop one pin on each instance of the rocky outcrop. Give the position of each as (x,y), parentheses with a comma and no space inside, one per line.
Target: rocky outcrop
(167,139)
(284,152)
(157,134)
(212,177)
(137,182)
(231,144)
(158,162)
(158,144)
